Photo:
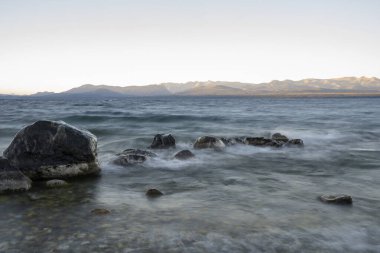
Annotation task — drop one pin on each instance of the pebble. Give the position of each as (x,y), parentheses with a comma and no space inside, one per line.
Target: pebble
(56,183)
(100,211)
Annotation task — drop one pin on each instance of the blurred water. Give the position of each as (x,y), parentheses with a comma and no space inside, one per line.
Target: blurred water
(245,199)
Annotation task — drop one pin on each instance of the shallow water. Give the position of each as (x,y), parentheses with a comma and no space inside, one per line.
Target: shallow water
(244,199)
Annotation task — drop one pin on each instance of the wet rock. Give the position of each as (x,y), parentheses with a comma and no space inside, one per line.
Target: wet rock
(12,179)
(209,142)
(100,211)
(53,149)
(336,199)
(56,183)
(184,155)
(261,142)
(280,138)
(133,156)
(295,143)
(35,196)
(153,193)
(162,141)
(141,152)
(232,141)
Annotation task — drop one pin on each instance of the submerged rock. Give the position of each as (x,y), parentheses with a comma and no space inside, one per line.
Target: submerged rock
(162,141)
(12,179)
(184,155)
(53,149)
(280,138)
(133,156)
(336,199)
(295,143)
(56,183)
(100,211)
(232,141)
(153,193)
(261,141)
(209,142)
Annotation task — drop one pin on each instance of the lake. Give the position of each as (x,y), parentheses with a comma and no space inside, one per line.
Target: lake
(242,199)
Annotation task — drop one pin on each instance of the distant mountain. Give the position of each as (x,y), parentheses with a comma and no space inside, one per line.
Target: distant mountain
(345,86)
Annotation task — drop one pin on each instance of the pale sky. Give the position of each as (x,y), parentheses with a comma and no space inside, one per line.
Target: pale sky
(54,45)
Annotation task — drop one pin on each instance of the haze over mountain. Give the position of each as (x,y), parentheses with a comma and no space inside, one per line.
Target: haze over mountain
(305,87)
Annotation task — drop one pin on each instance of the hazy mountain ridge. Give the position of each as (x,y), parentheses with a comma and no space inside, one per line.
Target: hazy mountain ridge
(337,86)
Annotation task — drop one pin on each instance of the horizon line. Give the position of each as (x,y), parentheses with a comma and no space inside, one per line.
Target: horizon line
(181,83)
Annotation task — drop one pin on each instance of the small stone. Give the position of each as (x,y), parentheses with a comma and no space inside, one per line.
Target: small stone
(100,211)
(56,183)
(336,199)
(184,155)
(153,193)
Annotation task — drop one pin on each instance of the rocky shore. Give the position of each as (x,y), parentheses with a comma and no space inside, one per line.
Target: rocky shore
(55,150)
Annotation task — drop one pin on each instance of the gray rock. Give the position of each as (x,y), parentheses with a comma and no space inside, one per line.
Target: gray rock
(153,193)
(261,142)
(133,156)
(184,155)
(53,149)
(209,142)
(336,199)
(295,143)
(280,138)
(232,141)
(12,179)
(162,141)
(56,183)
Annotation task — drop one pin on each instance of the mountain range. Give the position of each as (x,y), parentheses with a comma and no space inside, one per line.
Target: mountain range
(346,86)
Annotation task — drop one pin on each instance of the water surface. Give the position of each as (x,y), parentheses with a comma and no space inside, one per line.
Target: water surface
(244,199)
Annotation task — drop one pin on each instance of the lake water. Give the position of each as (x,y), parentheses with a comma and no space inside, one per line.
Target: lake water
(243,199)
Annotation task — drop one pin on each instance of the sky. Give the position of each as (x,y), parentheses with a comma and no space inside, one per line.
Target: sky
(55,45)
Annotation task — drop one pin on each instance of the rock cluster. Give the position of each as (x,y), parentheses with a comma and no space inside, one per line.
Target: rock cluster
(165,141)
(55,150)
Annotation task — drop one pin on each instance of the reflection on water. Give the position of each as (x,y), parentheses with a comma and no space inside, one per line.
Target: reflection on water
(244,199)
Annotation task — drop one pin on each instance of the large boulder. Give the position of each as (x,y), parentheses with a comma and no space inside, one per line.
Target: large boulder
(53,150)
(162,141)
(11,179)
(209,142)
(133,156)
